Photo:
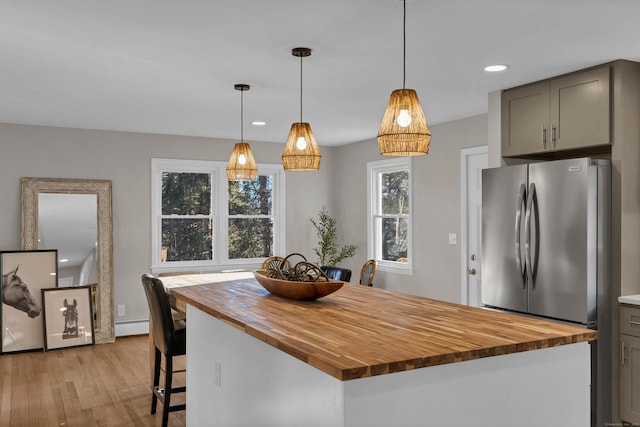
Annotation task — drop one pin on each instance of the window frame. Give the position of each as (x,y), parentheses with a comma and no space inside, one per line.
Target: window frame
(219,213)
(374,206)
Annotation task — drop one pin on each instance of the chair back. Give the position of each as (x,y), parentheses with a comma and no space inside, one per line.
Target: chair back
(367,272)
(337,273)
(160,312)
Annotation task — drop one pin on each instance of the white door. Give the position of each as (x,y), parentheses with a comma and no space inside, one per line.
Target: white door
(472,161)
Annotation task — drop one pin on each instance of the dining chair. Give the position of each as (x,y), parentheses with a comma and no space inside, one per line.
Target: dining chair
(168,342)
(337,273)
(367,272)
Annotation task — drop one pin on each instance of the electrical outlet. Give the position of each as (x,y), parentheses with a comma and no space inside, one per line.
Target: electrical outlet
(121,310)
(453,239)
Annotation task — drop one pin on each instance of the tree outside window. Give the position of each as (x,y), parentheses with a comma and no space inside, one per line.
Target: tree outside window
(250,218)
(187,221)
(395,211)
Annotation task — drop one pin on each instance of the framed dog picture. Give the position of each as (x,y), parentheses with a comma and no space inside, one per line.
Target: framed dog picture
(24,275)
(68,317)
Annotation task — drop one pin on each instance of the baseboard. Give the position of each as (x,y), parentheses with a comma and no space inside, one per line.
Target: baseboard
(134,327)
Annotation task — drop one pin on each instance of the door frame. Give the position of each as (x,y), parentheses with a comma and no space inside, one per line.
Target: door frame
(465,153)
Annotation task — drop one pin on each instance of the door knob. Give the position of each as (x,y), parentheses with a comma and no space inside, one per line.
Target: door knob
(472,271)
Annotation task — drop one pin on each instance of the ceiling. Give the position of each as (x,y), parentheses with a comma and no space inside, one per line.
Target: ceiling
(169,67)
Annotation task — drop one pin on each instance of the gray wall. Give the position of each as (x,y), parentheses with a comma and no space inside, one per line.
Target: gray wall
(340,185)
(125,158)
(436,208)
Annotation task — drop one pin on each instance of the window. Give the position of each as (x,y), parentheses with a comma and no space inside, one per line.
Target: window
(389,224)
(250,220)
(200,219)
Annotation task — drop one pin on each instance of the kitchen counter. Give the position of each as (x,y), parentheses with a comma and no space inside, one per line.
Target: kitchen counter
(368,357)
(359,331)
(629,299)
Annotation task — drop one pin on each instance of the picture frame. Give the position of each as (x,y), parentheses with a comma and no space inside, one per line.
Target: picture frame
(24,275)
(68,317)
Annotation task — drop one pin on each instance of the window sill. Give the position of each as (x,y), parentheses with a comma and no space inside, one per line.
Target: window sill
(404,270)
(204,268)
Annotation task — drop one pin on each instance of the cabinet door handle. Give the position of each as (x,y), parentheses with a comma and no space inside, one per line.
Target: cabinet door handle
(544,137)
(553,136)
(622,353)
(633,322)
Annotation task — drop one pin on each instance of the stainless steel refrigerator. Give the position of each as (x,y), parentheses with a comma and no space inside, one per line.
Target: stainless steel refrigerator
(546,250)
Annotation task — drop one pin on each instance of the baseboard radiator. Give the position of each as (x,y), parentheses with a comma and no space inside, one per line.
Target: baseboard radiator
(132,327)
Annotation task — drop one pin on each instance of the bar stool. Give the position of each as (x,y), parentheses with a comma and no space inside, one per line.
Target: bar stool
(179,318)
(168,341)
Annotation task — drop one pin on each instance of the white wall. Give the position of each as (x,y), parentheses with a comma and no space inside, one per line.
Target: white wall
(340,185)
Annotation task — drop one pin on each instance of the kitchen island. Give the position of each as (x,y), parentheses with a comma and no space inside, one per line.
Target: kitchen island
(368,357)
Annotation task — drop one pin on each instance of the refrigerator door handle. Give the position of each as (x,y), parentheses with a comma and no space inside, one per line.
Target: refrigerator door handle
(527,236)
(518,250)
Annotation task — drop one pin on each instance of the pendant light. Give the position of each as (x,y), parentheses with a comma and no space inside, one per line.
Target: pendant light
(301,153)
(404,130)
(241,165)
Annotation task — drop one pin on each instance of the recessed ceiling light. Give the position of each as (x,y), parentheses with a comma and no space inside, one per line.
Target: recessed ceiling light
(258,123)
(64,260)
(496,68)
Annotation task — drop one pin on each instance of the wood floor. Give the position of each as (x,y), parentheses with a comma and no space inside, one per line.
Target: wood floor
(102,385)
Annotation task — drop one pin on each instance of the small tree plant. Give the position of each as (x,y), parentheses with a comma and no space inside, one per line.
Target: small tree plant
(328,250)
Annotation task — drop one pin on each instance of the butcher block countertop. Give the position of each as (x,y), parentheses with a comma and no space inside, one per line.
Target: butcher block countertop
(359,331)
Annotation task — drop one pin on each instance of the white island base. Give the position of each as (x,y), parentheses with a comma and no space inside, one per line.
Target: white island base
(234,379)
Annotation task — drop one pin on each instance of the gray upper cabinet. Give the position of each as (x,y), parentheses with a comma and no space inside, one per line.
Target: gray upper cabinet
(563,113)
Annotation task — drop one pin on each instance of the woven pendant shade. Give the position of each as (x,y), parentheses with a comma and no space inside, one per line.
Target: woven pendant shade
(410,140)
(297,159)
(301,153)
(404,130)
(242,166)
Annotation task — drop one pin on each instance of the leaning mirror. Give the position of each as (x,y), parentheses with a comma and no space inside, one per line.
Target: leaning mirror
(74,216)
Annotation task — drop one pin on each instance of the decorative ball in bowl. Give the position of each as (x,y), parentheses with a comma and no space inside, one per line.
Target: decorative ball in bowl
(297,290)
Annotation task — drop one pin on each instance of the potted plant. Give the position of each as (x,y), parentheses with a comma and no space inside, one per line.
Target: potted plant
(328,251)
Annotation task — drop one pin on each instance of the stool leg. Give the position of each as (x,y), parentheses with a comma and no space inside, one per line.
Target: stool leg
(156,380)
(168,377)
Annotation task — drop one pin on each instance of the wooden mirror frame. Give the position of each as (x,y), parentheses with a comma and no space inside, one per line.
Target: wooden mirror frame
(31,188)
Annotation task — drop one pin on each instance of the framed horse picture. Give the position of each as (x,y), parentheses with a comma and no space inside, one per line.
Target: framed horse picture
(68,317)
(24,275)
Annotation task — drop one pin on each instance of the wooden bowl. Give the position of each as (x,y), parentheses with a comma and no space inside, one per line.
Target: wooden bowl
(297,290)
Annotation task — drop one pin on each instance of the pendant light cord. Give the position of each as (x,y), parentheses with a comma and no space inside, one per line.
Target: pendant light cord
(404,42)
(301,89)
(242,115)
